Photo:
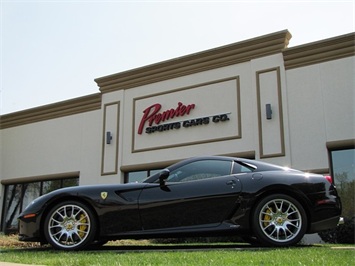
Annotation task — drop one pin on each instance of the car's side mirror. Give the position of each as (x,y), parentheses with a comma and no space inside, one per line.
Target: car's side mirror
(163,176)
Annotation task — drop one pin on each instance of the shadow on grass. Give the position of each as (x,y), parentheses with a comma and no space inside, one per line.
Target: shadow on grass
(157,248)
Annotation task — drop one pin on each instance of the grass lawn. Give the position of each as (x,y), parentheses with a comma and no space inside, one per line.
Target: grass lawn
(145,253)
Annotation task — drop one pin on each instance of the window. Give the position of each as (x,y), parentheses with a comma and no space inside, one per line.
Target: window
(12,207)
(139,176)
(200,170)
(51,185)
(343,172)
(18,196)
(30,192)
(239,168)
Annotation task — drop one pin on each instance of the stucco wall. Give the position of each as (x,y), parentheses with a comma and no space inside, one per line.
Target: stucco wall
(321,109)
(55,146)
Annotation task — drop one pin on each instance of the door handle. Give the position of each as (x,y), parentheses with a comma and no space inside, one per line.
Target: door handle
(231,183)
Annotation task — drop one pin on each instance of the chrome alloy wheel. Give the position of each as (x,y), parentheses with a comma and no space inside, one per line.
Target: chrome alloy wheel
(280,220)
(69,226)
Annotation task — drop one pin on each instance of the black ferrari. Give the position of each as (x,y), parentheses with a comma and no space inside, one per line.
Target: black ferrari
(202,196)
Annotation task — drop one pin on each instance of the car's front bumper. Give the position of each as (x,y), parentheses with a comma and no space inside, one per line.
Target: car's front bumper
(29,230)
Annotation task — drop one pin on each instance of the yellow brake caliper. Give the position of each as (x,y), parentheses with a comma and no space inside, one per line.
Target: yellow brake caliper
(82,227)
(267,217)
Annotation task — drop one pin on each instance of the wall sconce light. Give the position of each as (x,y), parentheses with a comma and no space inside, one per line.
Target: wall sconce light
(268,111)
(108,137)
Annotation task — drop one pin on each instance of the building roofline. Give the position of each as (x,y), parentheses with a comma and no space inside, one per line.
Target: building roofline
(210,59)
(320,51)
(298,56)
(50,111)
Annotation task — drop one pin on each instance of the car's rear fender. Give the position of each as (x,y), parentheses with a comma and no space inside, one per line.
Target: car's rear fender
(281,189)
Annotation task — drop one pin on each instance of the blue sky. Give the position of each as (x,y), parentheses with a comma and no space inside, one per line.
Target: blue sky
(53,50)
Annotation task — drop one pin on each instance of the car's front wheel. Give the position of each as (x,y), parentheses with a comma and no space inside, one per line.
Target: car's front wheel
(70,225)
(279,220)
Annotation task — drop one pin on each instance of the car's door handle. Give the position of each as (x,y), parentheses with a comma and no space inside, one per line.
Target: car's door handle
(231,183)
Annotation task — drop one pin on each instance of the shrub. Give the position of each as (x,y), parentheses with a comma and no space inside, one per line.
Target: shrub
(342,234)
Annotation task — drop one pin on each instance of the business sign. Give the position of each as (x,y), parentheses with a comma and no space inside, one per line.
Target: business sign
(154,120)
(194,115)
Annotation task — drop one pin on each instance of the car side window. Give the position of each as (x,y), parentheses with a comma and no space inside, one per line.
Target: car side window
(239,168)
(200,170)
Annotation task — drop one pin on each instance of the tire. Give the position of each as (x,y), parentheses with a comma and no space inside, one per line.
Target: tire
(70,225)
(279,220)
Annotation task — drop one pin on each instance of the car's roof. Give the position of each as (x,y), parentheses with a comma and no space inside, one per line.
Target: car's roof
(257,165)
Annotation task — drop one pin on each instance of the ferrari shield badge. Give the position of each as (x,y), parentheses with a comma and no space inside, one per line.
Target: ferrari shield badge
(104,195)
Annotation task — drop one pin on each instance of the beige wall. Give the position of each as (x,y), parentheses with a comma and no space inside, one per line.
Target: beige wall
(53,147)
(321,109)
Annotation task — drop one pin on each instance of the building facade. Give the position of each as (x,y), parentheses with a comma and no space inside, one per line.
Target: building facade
(256,99)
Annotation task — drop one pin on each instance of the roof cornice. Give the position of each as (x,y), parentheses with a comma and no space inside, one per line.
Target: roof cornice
(320,51)
(50,111)
(214,58)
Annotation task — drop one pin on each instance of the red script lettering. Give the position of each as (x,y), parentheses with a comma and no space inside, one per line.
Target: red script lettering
(152,114)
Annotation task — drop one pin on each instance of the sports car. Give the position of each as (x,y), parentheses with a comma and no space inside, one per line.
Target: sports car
(201,196)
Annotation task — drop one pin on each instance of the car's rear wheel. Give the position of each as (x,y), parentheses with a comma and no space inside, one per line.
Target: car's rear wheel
(279,220)
(70,225)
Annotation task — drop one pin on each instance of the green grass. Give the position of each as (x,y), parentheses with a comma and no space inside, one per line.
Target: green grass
(302,255)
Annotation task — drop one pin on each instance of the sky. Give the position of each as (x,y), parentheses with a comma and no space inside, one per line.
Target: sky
(53,50)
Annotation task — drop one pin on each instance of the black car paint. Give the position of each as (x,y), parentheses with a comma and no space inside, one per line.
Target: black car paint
(149,209)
